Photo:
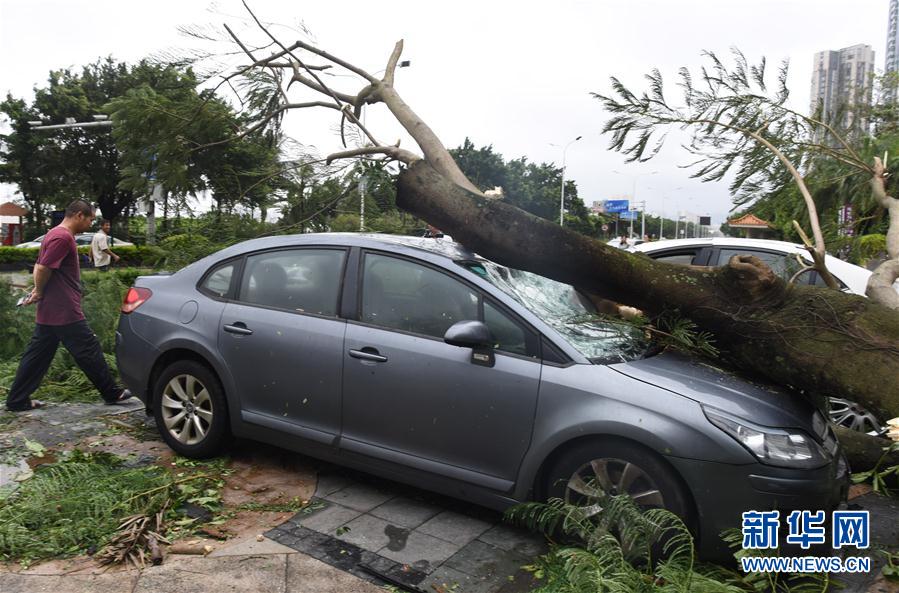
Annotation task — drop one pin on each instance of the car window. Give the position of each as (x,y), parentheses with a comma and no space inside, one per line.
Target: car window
(510,335)
(781,264)
(302,280)
(218,281)
(400,294)
(680,257)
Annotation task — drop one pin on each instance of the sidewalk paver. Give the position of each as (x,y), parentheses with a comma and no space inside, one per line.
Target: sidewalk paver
(73,583)
(250,545)
(226,574)
(308,575)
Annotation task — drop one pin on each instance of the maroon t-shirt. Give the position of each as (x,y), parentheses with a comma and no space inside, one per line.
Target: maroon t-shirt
(61,302)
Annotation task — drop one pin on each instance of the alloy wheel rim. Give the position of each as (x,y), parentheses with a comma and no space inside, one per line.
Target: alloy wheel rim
(851,415)
(599,478)
(187,409)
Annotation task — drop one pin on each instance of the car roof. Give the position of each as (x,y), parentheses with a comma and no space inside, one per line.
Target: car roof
(437,246)
(723,242)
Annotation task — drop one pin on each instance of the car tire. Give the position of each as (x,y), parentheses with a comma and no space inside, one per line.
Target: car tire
(190,410)
(618,467)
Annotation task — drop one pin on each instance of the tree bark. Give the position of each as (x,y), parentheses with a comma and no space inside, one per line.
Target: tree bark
(816,340)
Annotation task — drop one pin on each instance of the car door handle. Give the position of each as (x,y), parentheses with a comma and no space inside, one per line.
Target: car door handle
(239,328)
(368,354)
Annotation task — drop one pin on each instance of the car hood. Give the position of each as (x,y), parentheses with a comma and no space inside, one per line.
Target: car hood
(704,383)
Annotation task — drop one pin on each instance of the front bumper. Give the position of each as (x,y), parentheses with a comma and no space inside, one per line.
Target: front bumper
(723,492)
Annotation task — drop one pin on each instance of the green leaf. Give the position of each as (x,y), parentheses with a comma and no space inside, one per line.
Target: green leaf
(35,448)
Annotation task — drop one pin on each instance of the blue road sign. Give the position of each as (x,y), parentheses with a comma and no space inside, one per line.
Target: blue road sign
(629,215)
(617,205)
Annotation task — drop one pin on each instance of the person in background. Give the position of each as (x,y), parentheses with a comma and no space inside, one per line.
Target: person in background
(623,242)
(101,254)
(57,292)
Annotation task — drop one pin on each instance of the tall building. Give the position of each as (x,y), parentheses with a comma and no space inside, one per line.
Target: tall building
(842,81)
(892,58)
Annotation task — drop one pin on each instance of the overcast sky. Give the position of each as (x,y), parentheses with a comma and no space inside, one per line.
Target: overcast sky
(517,75)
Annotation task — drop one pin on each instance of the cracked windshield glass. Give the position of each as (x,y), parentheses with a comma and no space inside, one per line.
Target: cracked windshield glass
(568,312)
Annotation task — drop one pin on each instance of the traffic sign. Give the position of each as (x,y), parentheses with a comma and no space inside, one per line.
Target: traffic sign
(630,215)
(617,205)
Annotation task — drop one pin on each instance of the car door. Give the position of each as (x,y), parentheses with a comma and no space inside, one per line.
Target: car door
(283,342)
(410,398)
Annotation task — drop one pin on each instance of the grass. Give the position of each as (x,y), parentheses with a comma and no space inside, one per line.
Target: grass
(76,505)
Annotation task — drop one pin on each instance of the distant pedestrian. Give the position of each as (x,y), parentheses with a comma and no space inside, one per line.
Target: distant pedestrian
(57,292)
(101,254)
(623,242)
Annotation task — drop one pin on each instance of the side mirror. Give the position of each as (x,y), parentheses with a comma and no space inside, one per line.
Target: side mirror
(475,335)
(469,334)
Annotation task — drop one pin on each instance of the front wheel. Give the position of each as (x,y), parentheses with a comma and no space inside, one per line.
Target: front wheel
(586,473)
(190,410)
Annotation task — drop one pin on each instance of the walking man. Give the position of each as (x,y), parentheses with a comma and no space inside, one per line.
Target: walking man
(57,292)
(101,254)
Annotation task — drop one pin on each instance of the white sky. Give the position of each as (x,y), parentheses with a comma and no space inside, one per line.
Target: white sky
(513,74)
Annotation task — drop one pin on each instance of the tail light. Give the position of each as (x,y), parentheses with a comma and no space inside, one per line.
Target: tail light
(134,298)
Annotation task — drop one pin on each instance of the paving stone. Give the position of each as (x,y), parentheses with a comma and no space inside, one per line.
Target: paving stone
(330,518)
(386,571)
(330,483)
(515,539)
(449,579)
(250,545)
(367,532)
(308,575)
(405,512)
(454,527)
(196,574)
(485,561)
(422,552)
(74,583)
(308,543)
(360,497)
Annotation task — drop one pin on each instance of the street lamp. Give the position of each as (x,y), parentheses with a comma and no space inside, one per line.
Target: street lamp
(562,200)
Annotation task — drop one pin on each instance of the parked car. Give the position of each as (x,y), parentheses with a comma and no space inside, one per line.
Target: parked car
(780,256)
(81,239)
(783,258)
(417,360)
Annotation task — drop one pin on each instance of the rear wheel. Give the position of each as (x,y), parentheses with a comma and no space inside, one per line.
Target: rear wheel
(190,410)
(585,473)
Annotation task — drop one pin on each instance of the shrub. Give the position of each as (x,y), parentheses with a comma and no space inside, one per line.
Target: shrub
(181,250)
(137,255)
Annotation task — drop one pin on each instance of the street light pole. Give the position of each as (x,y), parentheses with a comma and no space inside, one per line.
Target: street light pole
(562,200)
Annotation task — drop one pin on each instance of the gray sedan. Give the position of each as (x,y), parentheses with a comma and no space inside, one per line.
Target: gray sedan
(417,360)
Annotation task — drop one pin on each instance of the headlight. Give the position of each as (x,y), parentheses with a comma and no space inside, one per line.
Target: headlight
(781,447)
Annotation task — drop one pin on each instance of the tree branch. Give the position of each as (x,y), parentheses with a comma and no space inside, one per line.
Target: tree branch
(390,71)
(394,152)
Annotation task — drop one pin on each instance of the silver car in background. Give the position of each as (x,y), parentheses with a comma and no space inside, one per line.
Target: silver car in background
(419,361)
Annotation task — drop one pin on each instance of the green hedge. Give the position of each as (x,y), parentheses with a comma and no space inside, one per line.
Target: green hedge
(137,255)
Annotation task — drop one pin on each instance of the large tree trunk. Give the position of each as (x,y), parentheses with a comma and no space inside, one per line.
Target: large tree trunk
(817,340)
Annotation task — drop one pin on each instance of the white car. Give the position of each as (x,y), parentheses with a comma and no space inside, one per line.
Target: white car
(81,239)
(782,257)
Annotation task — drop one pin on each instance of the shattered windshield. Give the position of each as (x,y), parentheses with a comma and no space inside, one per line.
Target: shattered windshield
(567,311)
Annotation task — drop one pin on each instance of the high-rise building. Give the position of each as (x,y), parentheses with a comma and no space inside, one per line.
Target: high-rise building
(842,82)
(892,58)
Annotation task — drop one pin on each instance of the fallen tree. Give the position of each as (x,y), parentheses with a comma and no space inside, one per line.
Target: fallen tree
(818,341)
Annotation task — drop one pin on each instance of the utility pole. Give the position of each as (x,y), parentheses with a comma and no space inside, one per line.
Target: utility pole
(562,200)
(362,183)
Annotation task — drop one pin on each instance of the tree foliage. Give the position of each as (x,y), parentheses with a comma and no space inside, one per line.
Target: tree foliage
(535,188)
